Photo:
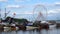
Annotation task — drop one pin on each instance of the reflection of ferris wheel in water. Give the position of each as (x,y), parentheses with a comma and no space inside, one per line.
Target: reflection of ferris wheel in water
(39,13)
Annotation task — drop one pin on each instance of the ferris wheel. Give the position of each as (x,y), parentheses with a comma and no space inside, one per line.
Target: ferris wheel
(39,13)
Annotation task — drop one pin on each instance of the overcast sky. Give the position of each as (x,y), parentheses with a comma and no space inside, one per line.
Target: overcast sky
(25,8)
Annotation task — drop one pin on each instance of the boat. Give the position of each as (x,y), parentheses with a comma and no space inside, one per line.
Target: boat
(7,28)
(52,26)
(30,28)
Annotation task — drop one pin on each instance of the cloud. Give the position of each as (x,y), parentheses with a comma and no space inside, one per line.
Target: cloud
(21,0)
(51,11)
(14,6)
(3,0)
(53,4)
(57,3)
(53,14)
(54,11)
(25,12)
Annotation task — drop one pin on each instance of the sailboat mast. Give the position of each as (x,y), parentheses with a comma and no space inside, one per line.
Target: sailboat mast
(5,12)
(0,15)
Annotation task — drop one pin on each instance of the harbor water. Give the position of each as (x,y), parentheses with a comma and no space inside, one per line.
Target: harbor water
(43,31)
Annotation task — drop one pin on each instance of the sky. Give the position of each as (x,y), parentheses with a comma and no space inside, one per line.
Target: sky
(29,9)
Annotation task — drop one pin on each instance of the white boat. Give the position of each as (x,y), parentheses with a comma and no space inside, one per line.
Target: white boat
(7,28)
(13,25)
(3,23)
(52,26)
(17,28)
(30,28)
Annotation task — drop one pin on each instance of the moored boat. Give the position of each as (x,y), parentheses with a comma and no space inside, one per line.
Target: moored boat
(31,28)
(52,26)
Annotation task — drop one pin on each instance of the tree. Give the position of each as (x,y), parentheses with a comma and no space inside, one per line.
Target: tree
(17,20)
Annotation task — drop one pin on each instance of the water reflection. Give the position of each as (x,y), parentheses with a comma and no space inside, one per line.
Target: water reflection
(43,31)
